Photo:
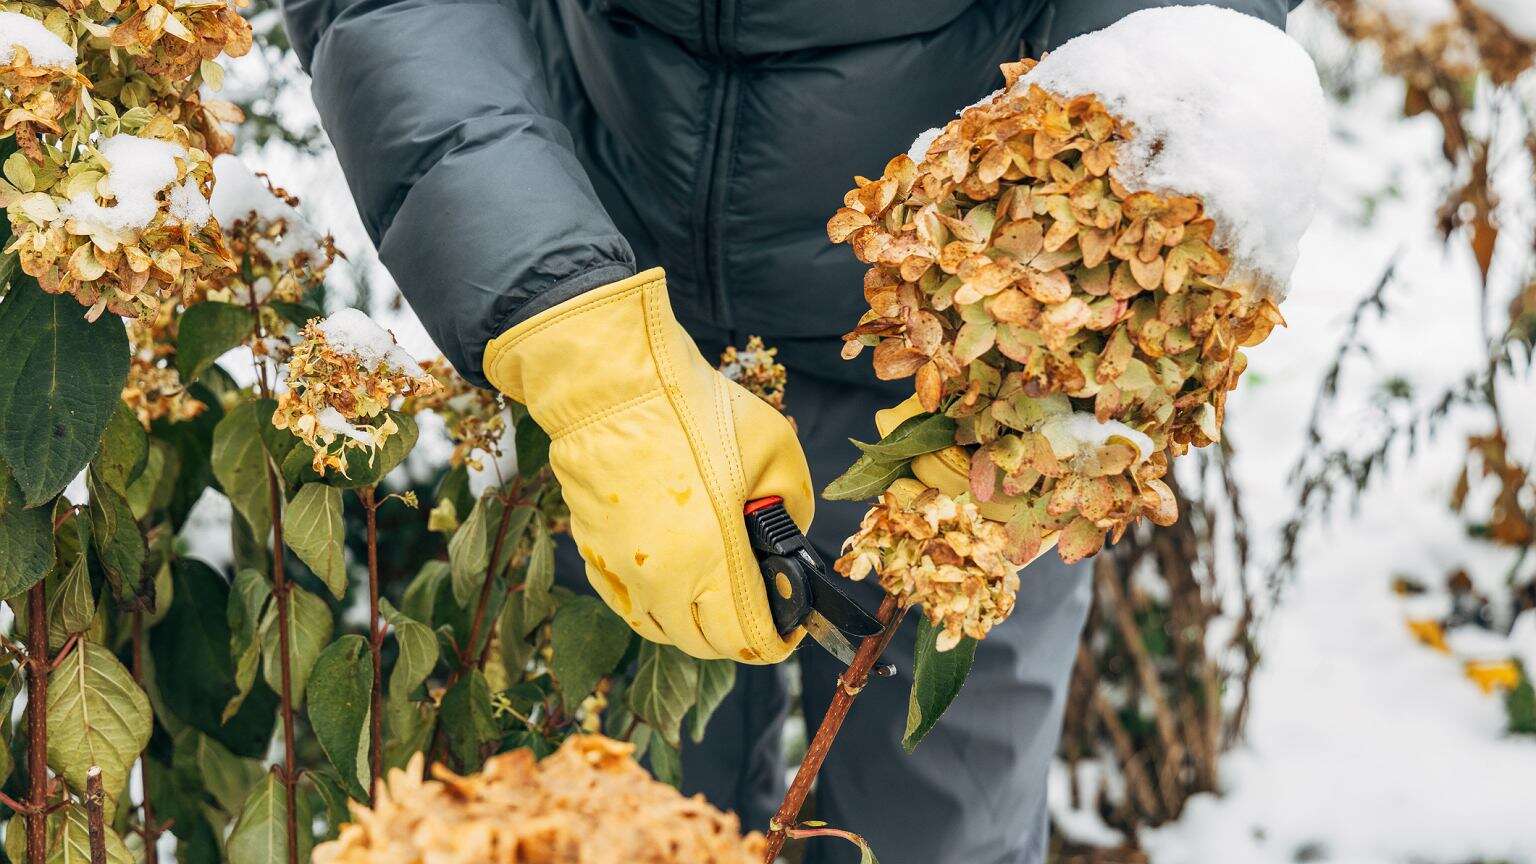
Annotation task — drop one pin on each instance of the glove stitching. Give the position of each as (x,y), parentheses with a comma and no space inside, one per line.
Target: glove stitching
(690,427)
(606,413)
(725,422)
(499,353)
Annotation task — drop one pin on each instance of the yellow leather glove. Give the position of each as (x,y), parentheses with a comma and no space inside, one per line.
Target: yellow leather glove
(656,453)
(949,471)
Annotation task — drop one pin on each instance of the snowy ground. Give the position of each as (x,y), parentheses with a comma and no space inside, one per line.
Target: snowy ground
(1363,746)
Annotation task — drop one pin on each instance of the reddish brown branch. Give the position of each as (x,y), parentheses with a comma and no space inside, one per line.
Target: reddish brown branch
(95,815)
(280,588)
(151,830)
(849,684)
(375,643)
(37,723)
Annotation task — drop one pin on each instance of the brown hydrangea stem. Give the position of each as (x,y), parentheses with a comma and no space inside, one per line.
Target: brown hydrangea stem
(849,684)
(290,773)
(95,815)
(151,830)
(375,644)
(37,724)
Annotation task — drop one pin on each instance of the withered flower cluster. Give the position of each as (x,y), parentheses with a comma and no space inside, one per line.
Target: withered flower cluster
(589,802)
(154,388)
(1080,333)
(1433,56)
(475,416)
(108,193)
(339,384)
(757,368)
(937,552)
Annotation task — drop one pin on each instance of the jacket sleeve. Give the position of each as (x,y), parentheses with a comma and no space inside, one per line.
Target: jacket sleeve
(471,191)
(1071,18)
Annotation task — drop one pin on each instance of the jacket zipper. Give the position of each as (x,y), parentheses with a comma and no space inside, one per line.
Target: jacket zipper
(708,245)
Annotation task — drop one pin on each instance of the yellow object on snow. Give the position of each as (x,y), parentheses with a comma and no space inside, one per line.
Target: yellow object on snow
(1492,675)
(1430,632)
(657,453)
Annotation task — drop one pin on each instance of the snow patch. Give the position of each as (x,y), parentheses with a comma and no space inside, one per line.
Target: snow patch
(138,169)
(1071,434)
(239,195)
(1225,106)
(351,331)
(332,420)
(921,143)
(44,48)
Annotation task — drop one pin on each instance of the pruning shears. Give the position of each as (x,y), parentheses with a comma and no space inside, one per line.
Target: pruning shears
(800,594)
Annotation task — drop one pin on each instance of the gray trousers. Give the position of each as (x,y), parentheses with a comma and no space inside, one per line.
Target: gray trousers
(973,792)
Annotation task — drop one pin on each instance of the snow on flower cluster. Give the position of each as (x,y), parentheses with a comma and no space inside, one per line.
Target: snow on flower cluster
(44,48)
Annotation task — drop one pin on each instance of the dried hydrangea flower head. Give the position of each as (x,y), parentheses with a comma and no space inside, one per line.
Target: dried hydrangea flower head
(173,38)
(340,379)
(937,552)
(283,254)
(38,80)
(475,417)
(589,802)
(1082,331)
(756,367)
(154,389)
(123,226)
(1505,34)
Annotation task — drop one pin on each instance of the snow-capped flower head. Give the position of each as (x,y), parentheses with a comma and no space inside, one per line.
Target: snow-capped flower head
(475,417)
(283,254)
(756,368)
(38,80)
(1100,238)
(931,550)
(341,377)
(122,226)
(588,801)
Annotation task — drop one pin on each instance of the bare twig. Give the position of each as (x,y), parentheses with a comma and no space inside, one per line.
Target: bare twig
(37,723)
(95,815)
(375,643)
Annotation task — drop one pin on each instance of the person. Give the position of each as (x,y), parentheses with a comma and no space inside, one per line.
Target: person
(524,168)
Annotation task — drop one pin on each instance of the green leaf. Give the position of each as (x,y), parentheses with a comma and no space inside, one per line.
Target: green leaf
(469,549)
(866,478)
(240,464)
(246,614)
(194,672)
(69,838)
(60,382)
(71,605)
(364,469)
(919,434)
(192,441)
(666,760)
(587,641)
(313,530)
(116,537)
(97,715)
(26,539)
(298,314)
(532,447)
(205,331)
(469,723)
(716,678)
(666,683)
(539,576)
(309,628)
(124,448)
(152,489)
(260,834)
(227,777)
(421,593)
(418,653)
(338,709)
(936,679)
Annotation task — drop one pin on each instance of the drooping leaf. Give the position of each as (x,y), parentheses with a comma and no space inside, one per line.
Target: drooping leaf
(194,672)
(420,594)
(716,678)
(666,760)
(417,656)
(936,680)
(116,537)
(151,490)
(205,331)
(247,618)
(97,715)
(532,447)
(665,685)
(338,709)
(469,550)
(192,441)
(919,434)
(260,834)
(240,464)
(866,478)
(70,603)
(312,529)
(587,640)
(124,448)
(309,628)
(539,576)
(59,384)
(469,723)
(333,798)
(227,777)
(26,539)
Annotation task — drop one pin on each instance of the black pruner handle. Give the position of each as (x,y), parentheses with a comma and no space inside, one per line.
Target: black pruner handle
(794,575)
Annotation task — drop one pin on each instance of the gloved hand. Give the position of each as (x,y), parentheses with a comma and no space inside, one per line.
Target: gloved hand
(656,453)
